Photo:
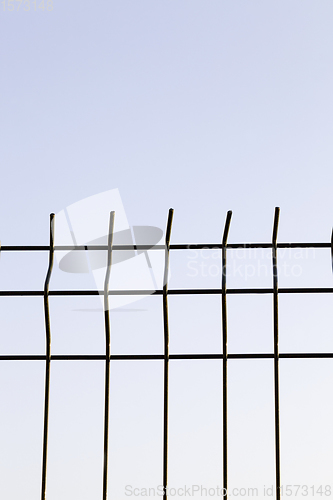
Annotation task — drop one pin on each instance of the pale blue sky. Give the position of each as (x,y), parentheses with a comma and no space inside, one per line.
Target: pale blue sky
(203,106)
(199,105)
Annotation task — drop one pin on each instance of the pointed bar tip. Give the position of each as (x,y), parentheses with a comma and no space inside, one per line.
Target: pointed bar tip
(169,225)
(226,227)
(275,225)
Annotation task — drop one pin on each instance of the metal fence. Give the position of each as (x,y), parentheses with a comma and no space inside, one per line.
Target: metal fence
(108,357)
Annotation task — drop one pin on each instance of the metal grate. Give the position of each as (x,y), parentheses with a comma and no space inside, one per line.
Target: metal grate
(223,291)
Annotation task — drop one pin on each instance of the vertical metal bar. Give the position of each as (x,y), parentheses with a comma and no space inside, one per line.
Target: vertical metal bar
(48,357)
(332,248)
(166,354)
(225,353)
(276,354)
(107,360)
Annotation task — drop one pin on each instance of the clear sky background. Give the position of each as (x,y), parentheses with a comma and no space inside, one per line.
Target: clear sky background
(203,106)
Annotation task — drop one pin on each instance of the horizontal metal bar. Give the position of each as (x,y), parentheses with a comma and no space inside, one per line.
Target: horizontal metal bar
(306,355)
(143,357)
(244,291)
(251,356)
(180,246)
(180,291)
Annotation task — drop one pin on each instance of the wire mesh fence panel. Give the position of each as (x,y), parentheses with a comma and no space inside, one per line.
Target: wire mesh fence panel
(210,378)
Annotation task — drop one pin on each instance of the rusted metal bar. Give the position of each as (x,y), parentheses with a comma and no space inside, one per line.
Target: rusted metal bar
(176,291)
(146,357)
(166,354)
(48,358)
(107,357)
(276,354)
(225,354)
(332,248)
(175,246)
